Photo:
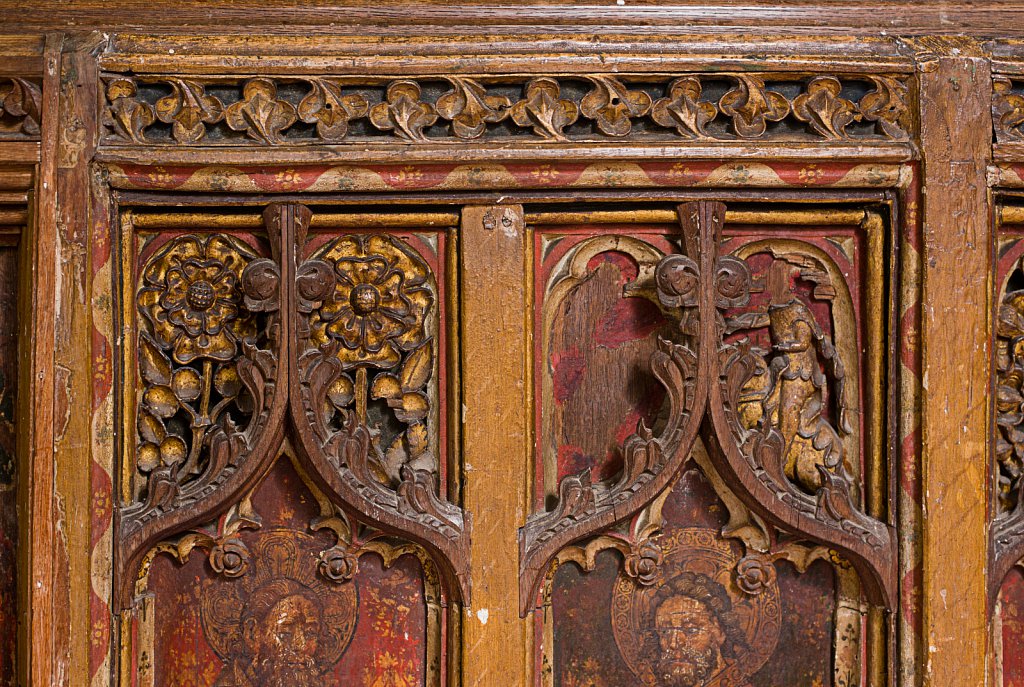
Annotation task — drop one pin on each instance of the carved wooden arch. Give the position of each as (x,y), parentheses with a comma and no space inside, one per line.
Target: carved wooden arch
(284,383)
(703,374)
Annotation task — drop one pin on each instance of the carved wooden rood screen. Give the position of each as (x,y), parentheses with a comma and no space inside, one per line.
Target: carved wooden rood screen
(492,346)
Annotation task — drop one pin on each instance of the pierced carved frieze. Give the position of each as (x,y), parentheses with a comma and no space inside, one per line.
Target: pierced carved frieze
(340,332)
(325,109)
(753,370)
(20,107)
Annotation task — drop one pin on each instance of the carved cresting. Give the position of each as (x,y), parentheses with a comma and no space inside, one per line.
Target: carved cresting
(773,421)
(230,344)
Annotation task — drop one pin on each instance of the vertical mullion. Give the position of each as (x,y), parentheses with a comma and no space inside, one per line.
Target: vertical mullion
(495,411)
(41,522)
(956,137)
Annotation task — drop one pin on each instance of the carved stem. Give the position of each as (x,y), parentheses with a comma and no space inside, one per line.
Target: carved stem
(361,388)
(204,404)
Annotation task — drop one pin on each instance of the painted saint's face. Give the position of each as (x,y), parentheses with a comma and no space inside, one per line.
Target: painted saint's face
(287,641)
(690,640)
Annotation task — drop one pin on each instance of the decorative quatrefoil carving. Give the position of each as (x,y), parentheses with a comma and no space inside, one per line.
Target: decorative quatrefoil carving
(774,419)
(328,354)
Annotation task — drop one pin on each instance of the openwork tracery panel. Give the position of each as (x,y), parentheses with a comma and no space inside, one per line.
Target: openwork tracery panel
(285,514)
(708,438)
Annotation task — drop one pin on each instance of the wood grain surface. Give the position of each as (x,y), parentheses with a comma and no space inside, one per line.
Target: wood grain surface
(496,437)
(956,368)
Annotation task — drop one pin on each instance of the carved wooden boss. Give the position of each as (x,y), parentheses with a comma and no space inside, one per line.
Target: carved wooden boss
(242,357)
(770,419)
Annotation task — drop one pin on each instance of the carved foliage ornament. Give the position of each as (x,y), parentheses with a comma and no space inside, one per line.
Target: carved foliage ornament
(267,110)
(1008,527)
(774,419)
(229,343)
(20,107)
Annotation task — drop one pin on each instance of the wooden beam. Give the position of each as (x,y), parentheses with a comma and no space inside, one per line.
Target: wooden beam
(41,524)
(956,136)
(496,438)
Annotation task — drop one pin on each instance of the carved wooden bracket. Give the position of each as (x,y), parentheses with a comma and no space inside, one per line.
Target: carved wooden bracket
(157,109)
(237,352)
(784,460)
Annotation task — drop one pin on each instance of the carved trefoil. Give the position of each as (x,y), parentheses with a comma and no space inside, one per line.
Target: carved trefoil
(735,357)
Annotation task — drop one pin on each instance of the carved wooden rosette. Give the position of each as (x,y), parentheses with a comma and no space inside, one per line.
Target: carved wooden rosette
(784,461)
(244,359)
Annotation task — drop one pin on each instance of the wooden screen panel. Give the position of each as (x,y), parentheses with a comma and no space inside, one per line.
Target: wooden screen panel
(598,321)
(294,580)
(281,621)
(9,522)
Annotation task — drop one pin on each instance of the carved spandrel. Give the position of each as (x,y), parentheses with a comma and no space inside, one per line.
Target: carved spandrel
(20,108)
(370,328)
(777,421)
(231,342)
(206,363)
(367,398)
(1008,467)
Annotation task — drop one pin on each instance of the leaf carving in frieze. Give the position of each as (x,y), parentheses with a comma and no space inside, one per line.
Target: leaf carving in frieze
(260,113)
(886,105)
(331,110)
(824,109)
(470,109)
(544,109)
(1007,109)
(403,112)
(683,110)
(127,115)
(612,105)
(752,106)
(188,109)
